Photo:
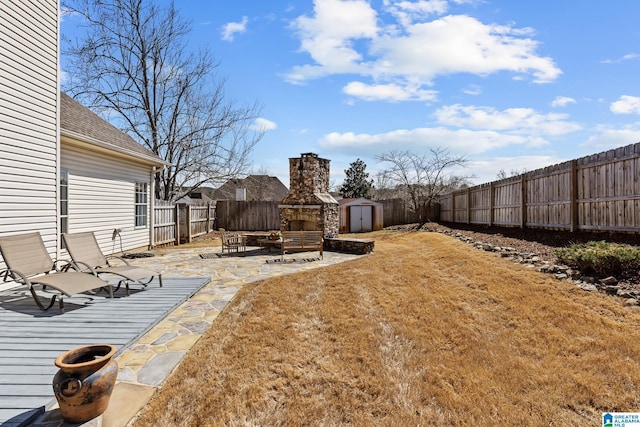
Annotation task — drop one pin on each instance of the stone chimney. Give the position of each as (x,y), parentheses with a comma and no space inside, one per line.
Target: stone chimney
(309,206)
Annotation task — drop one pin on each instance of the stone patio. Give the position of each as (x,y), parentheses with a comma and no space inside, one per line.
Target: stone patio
(145,364)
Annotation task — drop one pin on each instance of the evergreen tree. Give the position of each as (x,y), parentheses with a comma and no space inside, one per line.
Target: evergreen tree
(357,182)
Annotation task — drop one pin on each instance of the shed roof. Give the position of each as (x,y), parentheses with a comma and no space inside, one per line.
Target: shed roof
(80,123)
(357,201)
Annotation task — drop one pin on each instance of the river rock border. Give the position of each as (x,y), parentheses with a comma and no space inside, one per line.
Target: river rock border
(609,285)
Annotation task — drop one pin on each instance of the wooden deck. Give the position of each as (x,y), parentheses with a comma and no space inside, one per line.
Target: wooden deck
(31,339)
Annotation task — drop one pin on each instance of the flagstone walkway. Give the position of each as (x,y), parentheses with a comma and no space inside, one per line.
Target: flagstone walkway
(150,360)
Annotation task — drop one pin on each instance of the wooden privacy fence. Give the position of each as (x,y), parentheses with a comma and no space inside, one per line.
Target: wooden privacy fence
(398,211)
(600,192)
(264,216)
(248,215)
(177,223)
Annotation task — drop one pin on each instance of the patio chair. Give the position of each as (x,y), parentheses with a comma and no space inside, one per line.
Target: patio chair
(28,263)
(87,256)
(233,242)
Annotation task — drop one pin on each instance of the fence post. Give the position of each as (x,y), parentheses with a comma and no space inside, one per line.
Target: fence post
(573,196)
(468,205)
(214,216)
(453,206)
(208,222)
(491,203)
(176,215)
(523,200)
(188,222)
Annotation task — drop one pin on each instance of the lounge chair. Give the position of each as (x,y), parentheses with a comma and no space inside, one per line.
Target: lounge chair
(87,256)
(29,263)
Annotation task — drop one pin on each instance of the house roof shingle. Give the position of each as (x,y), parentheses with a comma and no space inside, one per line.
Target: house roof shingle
(78,122)
(259,187)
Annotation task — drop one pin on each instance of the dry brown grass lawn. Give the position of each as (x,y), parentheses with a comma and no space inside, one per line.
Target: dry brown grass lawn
(425,331)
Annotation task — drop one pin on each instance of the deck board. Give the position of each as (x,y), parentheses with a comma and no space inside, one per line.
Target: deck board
(30,339)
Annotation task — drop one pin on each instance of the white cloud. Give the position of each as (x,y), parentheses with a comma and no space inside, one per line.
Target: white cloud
(349,37)
(328,37)
(626,105)
(388,92)
(513,120)
(230,29)
(461,44)
(607,137)
(466,130)
(486,169)
(263,125)
(562,101)
(407,12)
(472,90)
(420,139)
(627,57)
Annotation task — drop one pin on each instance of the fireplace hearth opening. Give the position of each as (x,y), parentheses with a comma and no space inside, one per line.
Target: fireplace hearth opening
(302,225)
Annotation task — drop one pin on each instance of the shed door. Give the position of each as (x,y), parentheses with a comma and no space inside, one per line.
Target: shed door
(361,218)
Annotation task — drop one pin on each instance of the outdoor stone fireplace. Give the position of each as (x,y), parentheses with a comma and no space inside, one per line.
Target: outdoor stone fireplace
(309,206)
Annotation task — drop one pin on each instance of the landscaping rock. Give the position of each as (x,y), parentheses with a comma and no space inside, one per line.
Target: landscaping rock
(589,287)
(611,290)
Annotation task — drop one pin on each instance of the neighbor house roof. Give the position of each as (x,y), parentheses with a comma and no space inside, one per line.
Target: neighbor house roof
(195,197)
(259,187)
(80,123)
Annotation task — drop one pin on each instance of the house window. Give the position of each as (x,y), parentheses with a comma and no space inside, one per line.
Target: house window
(141,204)
(64,204)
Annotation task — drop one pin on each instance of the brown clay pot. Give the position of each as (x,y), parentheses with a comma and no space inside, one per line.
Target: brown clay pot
(84,383)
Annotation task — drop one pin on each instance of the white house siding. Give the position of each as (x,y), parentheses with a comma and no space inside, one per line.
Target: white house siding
(102,196)
(29,129)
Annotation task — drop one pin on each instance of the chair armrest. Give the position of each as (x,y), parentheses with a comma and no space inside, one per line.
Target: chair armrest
(15,276)
(115,257)
(81,267)
(62,265)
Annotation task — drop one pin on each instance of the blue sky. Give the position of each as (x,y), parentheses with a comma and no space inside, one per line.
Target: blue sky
(511,85)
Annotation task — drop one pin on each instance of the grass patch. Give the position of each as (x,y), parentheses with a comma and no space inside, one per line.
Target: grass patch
(424,331)
(602,259)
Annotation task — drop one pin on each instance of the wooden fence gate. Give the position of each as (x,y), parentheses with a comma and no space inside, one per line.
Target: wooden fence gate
(179,223)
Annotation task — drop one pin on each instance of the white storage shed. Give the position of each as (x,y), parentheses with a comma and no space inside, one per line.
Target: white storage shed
(360,215)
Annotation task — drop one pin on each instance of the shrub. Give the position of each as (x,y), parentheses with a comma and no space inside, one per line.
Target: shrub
(602,259)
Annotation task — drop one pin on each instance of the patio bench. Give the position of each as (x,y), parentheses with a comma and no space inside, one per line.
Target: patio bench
(302,241)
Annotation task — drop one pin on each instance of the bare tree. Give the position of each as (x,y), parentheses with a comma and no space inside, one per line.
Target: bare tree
(502,174)
(423,178)
(383,189)
(131,63)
